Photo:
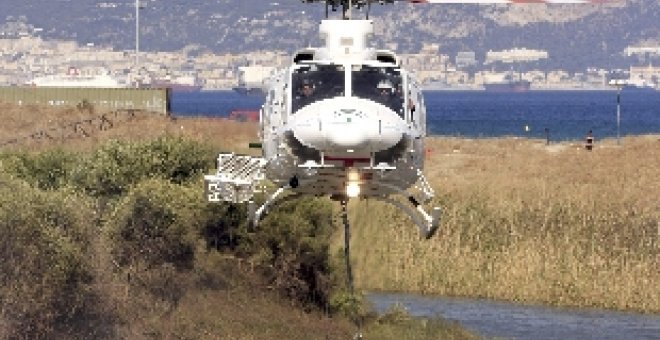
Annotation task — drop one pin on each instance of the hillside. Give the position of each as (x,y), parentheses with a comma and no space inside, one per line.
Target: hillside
(225,26)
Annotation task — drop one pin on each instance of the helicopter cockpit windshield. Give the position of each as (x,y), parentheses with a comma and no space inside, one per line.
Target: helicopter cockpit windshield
(382,85)
(316,82)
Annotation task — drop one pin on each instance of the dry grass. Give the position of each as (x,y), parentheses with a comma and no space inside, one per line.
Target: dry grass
(19,122)
(527,222)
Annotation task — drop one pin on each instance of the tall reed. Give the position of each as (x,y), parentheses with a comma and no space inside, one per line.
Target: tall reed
(526,222)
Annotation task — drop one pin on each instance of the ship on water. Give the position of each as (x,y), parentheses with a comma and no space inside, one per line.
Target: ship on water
(252,79)
(638,79)
(639,84)
(641,88)
(505,83)
(187,83)
(74,78)
(510,86)
(443,85)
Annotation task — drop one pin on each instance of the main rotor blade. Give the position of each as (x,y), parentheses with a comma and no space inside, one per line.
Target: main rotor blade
(347,4)
(360,3)
(510,1)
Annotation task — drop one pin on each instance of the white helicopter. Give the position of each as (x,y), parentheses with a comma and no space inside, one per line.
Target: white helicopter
(344,120)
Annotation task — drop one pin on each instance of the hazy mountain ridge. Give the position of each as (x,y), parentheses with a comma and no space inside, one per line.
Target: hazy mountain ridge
(225,26)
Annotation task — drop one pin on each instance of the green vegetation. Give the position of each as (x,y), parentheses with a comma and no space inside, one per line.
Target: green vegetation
(44,273)
(51,169)
(117,242)
(397,324)
(116,166)
(293,242)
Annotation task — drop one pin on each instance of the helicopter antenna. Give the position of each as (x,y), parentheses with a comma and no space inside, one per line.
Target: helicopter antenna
(368,8)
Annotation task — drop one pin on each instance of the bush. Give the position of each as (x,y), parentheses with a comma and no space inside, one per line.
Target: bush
(293,242)
(47,170)
(44,272)
(114,168)
(395,314)
(153,235)
(225,227)
(352,306)
(154,224)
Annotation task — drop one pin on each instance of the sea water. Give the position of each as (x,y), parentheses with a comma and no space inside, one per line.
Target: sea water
(557,115)
(504,320)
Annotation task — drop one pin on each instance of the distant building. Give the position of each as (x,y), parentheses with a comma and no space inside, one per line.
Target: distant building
(650,50)
(515,55)
(466,59)
(645,75)
(430,48)
(644,54)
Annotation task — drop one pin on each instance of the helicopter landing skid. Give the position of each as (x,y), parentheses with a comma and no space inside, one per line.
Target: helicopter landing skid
(428,224)
(255,215)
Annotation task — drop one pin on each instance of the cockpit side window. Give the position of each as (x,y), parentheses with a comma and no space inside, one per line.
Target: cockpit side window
(314,83)
(379,84)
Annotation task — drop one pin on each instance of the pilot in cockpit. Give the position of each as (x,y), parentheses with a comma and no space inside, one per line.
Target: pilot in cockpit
(385,89)
(307,89)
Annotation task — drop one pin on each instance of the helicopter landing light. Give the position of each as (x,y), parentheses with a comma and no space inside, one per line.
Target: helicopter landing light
(352,189)
(353,176)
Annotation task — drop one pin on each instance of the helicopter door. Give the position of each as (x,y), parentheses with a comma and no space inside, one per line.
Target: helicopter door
(268,109)
(414,103)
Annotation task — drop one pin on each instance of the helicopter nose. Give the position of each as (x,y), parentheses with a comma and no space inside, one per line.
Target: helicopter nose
(348,129)
(347,125)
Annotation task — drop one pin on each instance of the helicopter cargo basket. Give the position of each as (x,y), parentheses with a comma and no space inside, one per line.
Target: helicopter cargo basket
(236,179)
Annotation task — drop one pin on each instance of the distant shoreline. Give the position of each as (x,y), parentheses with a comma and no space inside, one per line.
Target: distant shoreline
(435,89)
(533,89)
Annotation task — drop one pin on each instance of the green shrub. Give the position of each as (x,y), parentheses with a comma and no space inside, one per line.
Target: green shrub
(352,306)
(47,170)
(395,314)
(44,272)
(156,223)
(292,242)
(178,159)
(152,236)
(116,166)
(225,227)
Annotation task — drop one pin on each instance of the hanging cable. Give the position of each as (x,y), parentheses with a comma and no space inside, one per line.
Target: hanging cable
(347,246)
(349,270)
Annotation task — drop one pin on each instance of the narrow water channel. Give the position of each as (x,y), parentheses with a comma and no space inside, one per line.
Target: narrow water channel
(510,321)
